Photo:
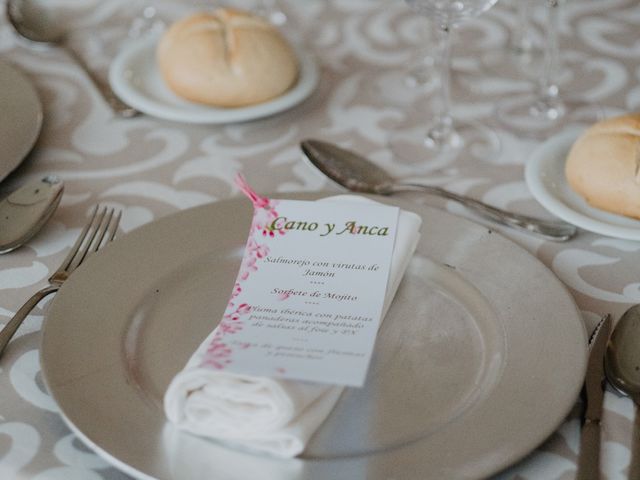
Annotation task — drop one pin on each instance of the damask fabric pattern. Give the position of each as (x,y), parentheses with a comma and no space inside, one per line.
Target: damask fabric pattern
(150,168)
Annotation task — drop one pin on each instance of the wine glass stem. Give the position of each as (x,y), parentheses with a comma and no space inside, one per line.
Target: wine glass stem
(425,58)
(548,86)
(443,125)
(522,42)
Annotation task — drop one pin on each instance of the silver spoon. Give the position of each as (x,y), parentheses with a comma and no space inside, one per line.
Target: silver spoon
(358,174)
(622,368)
(33,23)
(24,212)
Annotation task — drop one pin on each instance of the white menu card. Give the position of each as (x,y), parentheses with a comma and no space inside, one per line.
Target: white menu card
(309,295)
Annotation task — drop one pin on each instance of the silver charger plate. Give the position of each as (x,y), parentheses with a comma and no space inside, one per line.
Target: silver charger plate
(20,118)
(479,360)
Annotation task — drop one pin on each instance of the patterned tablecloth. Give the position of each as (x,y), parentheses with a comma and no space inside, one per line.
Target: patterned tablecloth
(150,168)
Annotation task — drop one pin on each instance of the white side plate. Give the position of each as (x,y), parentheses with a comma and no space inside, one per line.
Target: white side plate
(546,180)
(135,78)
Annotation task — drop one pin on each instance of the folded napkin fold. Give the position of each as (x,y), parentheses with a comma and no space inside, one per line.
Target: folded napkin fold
(272,415)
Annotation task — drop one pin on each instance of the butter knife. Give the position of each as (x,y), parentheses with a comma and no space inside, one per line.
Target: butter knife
(589,457)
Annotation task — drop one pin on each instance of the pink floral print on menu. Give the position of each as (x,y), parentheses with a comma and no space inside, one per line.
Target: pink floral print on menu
(219,353)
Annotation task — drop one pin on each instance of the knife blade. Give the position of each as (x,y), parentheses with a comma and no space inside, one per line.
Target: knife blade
(589,456)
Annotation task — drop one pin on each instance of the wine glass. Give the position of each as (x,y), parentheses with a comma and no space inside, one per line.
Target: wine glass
(520,52)
(270,10)
(445,137)
(146,20)
(547,109)
(419,72)
(403,84)
(150,18)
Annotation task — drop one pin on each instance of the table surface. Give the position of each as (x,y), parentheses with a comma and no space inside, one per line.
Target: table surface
(150,168)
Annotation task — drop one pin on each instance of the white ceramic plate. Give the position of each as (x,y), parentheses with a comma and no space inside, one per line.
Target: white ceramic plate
(135,78)
(475,364)
(20,118)
(546,180)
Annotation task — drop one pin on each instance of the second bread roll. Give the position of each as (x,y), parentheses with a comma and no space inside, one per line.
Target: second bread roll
(227,58)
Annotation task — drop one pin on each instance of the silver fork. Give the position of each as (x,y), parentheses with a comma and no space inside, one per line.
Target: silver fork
(99,230)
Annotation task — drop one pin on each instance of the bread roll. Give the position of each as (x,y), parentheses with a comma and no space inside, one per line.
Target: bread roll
(227,58)
(603,165)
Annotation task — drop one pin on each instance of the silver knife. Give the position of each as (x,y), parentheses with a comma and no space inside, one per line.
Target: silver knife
(589,457)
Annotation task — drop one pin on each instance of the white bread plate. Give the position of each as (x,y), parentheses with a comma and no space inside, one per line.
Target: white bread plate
(135,78)
(545,178)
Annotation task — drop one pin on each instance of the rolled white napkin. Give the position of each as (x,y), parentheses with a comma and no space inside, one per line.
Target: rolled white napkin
(268,414)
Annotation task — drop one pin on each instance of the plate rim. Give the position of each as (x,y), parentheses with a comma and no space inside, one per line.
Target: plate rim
(495,464)
(539,163)
(306,84)
(28,89)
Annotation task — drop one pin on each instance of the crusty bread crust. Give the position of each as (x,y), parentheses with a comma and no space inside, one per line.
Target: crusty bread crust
(603,165)
(227,58)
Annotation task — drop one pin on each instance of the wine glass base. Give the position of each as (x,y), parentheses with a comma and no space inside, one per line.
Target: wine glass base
(403,87)
(431,149)
(420,74)
(145,22)
(527,115)
(510,62)
(270,11)
(278,18)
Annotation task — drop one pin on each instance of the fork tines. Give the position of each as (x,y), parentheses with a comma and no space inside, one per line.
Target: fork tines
(100,229)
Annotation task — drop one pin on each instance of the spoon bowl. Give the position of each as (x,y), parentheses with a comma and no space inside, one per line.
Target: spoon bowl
(33,21)
(347,168)
(622,360)
(358,174)
(24,212)
(622,369)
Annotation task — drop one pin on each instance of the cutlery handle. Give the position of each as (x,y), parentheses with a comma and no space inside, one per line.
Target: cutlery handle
(117,105)
(589,456)
(634,466)
(551,230)
(10,328)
